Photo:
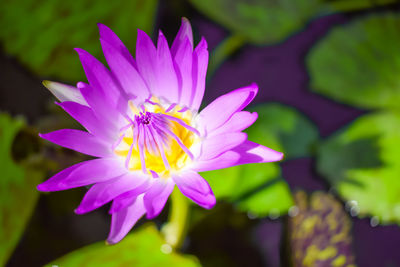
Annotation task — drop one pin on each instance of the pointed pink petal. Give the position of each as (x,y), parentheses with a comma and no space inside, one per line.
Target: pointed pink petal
(107,35)
(185,32)
(193,186)
(101,107)
(199,71)
(237,123)
(123,201)
(146,59)
(123,221)
(64,92)
(225,160)
(183,66)
(216,145)
(251,152)
(245,153)
(84,173)
(156,197)
(100,78)
(167,79)
(125,72)
(80,141)
(222,108)
(101,193)
(86,117)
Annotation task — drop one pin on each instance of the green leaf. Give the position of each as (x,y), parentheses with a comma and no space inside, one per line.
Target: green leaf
(363,164)
(18,192)
(42,34)
(254,188)
(346,5)
(259,188)
(9,128)
(359,63)
(258,20)
(141,248)
(261,191)
(270,21)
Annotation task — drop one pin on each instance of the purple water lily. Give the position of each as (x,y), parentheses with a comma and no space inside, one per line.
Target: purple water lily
(144,127)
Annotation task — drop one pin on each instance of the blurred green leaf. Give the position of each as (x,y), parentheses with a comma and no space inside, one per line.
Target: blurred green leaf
(141,248)
(259,188)
(359,63)
(18,192)
(270,21)
(346,5)
(42,34)
(259,21)
(266,194)
(319,232)
(9,128)
(362,162)
(254,188)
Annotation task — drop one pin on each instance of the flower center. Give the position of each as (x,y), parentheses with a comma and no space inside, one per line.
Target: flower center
(157,140)
(143,118)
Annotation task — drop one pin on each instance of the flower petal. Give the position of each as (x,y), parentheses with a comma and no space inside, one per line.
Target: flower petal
(125,72)
(156,197)
(183,67)
(245,153)
(251,152)
(237,123)
(80,141)
(193,186)
(122,201)
(84,173)
(101,108)
(110,37)
(101,193)
(86,117)
(216,145)
(185,32)
(123,221)
(100,78)
(167,79)
(146,59)
(222,108)
(225,160)
(199,71)
(65,92)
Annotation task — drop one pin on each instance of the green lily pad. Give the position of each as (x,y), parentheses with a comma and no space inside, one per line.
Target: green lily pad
(42,34)
(9,128)
(270,21)
(345,5)
(359,63)
(363,164)
(254,188)
(144,247)
(259,188)
(258,20)
(267,194)
(18,192)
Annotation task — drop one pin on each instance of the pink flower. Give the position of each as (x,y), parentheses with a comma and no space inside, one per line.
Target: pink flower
(144,128)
